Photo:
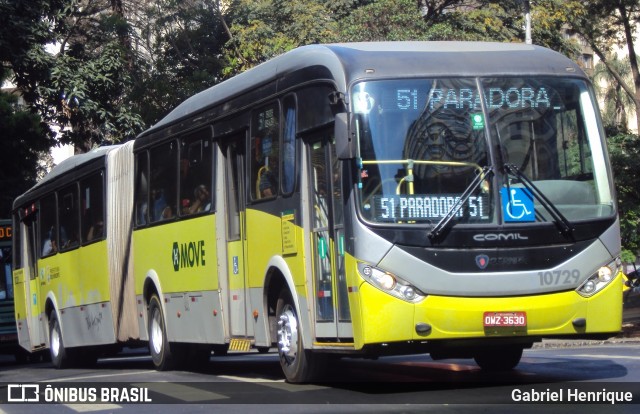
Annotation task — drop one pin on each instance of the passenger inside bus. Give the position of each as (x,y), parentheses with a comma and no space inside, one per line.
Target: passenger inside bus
(96,231)
(266,152)
(187,179)
(49,246)
(266,182)
(161,209)
(142,209)
(65,241)
(201,201)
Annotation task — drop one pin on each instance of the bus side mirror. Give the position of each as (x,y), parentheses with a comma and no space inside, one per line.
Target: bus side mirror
(345,138)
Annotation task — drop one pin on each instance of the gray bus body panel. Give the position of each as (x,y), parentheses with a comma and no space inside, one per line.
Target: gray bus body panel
(345,63)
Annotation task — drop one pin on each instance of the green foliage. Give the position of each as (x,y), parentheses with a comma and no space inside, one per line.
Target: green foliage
(83,86)
(550,19)
(501,21)
(24,140)
(608,26)
(263,29)
(88,88)
(183,55)
(386,20)
(624,150)
(617,104)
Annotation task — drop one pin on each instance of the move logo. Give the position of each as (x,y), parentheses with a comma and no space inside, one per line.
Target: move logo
(185,255)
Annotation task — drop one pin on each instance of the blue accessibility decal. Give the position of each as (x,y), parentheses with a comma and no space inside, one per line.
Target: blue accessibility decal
(517,205)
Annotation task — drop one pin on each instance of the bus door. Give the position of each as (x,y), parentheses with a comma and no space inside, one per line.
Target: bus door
(37,332)
(234,184)
(332,314)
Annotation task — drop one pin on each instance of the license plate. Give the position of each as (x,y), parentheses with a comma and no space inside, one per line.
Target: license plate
(505,319)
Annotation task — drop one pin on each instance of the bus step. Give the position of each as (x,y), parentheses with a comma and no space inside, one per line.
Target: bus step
(237,344)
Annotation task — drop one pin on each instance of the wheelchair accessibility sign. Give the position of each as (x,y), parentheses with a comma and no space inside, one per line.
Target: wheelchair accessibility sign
(517,205)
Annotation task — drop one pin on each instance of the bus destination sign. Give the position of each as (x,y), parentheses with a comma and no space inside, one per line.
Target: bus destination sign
(421,207)
(5,232)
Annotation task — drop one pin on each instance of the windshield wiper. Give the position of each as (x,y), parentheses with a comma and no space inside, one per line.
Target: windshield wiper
(437,230)
(565,226)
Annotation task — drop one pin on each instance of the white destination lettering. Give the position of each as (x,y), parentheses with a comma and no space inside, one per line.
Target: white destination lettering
(427,207)
(524,97)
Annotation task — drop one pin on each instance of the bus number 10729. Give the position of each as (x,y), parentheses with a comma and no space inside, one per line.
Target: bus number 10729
(559,277)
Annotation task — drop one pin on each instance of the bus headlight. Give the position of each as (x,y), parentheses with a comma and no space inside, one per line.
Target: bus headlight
(390,283)
(599,279)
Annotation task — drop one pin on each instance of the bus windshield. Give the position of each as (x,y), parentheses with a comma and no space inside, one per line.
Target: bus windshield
(422,143)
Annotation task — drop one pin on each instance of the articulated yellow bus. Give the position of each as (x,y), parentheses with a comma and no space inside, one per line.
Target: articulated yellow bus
(339,200)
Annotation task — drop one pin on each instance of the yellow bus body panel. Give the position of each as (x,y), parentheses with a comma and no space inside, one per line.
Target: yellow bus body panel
(19,294)
(182,254)
(265,226)
(382,318)
(76,277)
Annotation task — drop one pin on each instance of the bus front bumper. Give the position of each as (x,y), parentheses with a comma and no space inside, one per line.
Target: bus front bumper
(386,319)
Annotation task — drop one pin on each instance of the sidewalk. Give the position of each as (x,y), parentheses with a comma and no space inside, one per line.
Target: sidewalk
(630,334)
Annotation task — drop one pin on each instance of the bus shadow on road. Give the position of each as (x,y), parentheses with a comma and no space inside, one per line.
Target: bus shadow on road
(394,375)
(410,376)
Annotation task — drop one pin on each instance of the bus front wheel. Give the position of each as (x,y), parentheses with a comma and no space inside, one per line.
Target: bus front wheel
(158,342)
(299,365)
(501,358)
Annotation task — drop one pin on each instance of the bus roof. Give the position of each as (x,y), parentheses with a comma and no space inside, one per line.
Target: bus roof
(348,62)
(63,169)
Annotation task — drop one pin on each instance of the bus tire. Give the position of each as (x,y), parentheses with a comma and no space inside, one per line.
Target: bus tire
(500,358)
(197,356)
(158,343)
(299,365)
(23,356)
(220,349)
(86,357)
(189,356)
(60,357)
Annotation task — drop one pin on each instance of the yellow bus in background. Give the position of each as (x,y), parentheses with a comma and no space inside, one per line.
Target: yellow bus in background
(360,199)
(72,281)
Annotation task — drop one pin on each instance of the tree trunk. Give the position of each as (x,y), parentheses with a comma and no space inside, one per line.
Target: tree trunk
(633,59)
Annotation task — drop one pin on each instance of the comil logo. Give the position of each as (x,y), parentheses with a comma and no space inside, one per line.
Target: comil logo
(23,393)
(499,237)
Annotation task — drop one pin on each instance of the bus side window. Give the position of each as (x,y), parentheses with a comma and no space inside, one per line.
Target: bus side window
(265,148)
(196,173)
(142,189)
(164,181)
(48,228)
(92,220)
(288,145)
(68,232)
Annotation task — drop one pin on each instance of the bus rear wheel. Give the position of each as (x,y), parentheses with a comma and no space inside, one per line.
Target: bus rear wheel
(59,354)
(299,365)
(158,342)
(500,358)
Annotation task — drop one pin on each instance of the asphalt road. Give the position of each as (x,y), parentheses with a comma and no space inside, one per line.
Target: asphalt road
(252,382)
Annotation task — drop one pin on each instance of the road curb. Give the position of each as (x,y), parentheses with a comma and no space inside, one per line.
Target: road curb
(630,334)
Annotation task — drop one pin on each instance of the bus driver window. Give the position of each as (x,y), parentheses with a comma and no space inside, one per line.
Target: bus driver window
(265,147)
